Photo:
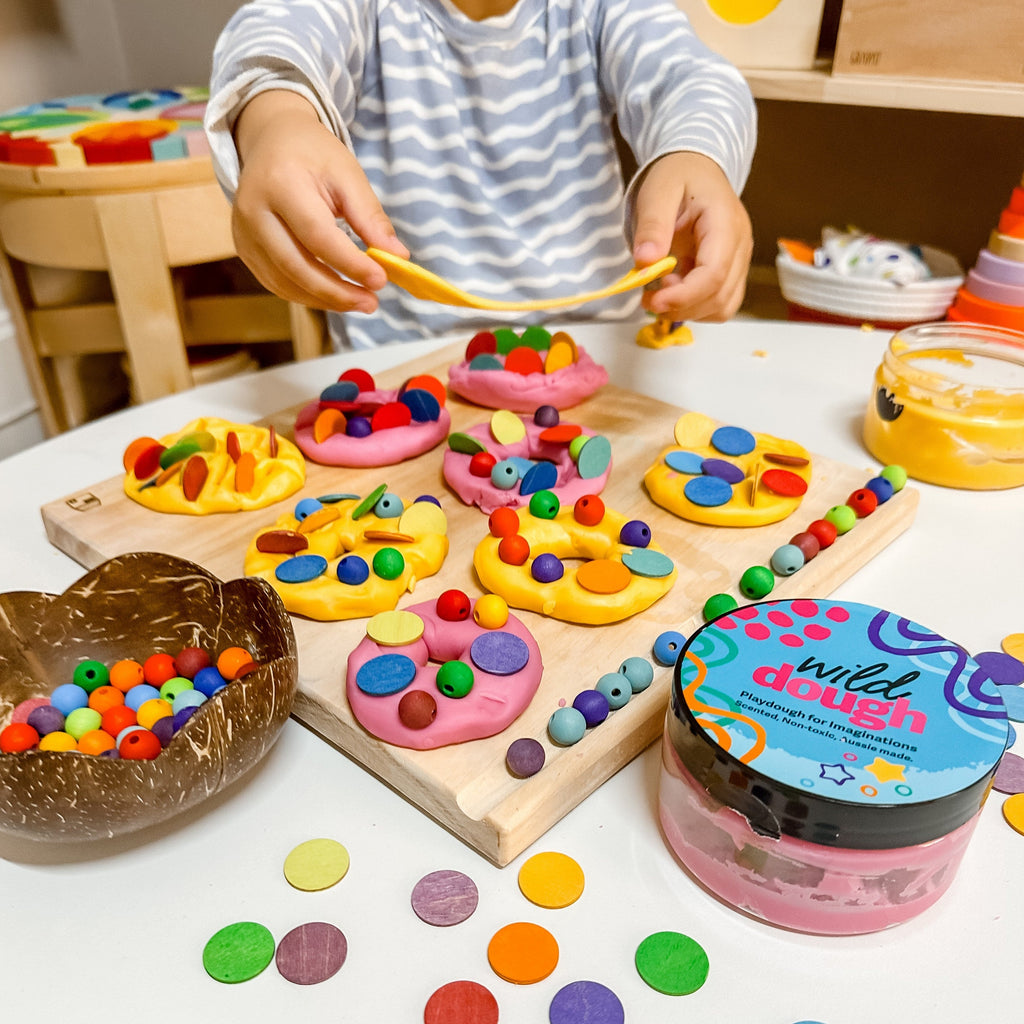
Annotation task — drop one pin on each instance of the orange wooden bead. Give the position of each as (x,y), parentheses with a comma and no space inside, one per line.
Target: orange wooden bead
(158,668)
(514,549)
(103,698)
(95,741)
(126,674)
(117,718)
(232,659)
(18,736)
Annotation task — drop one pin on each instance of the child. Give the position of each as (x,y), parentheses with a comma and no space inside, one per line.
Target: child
(478,137)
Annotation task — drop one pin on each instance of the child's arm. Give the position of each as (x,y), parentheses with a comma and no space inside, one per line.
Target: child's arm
(686,206)
(296,179)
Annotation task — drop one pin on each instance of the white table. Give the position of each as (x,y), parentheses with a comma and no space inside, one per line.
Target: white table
(119,927)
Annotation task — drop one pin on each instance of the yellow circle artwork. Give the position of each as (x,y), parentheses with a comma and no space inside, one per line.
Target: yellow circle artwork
(743,12)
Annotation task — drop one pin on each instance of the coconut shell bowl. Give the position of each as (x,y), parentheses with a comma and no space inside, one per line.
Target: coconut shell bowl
(129,608)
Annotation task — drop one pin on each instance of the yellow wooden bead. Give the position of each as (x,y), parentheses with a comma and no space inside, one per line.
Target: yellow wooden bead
(490,611)
(58,741)
(152,711)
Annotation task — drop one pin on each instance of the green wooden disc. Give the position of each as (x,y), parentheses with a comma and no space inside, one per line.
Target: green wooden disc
(672,963)
(238,952)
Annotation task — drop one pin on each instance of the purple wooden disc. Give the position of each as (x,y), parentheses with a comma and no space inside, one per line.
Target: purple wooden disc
(311,953)
(586,1002)
(444,898)
(1009,777)
(525,757)
(500,653)
(1001,668)
(724,470)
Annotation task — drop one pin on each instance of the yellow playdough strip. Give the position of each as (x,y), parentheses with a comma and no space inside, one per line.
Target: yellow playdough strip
(422,284)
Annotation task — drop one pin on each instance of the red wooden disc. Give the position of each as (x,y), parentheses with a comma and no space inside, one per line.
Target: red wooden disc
(461,1002)
(782,481)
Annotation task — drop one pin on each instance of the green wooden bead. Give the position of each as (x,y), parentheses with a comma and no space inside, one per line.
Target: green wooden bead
(544,505)
(90,675)
(455,679)
(757,582)
(896,475)
(719,604)
(842,517)
(388,563)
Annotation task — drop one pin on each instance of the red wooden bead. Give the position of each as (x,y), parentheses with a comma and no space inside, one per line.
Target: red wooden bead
(140,745)
(158,668)
(117,718)
(503,522)
(863,502)
(190,660)
(808,544)
(588,510)
(417,709)
(453,606)
(480,344)
(524,360)
(18,736)
(482,463)
(824,531)
(514,549)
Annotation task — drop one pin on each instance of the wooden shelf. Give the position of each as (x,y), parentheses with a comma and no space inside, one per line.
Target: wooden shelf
(821,86)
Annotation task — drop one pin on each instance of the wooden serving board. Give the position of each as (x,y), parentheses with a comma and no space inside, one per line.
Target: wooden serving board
(467,787)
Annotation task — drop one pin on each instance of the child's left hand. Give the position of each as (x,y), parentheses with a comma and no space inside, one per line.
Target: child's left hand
(686,207)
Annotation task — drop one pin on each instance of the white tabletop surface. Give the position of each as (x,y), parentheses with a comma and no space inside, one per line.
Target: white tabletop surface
(102,930)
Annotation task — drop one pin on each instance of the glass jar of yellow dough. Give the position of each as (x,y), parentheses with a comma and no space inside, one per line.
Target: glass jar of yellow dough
(948,405)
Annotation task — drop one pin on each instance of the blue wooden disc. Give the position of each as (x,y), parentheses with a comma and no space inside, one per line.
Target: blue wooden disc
(386,674)
(733,440)
(423,406)
(340,391)
(708,491)
(594,457)
(523,465)
(645,562)
(485,361)
(541,476)
(333,499)
(684,462)
(500,653)
(301,568)
(724,470)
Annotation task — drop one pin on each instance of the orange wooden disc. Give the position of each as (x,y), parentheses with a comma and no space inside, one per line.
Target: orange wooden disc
(233,446)
(562,352)
(245,472)
(328,421)
(524,360)
(603,576)
(315,520)
(193,476)
(135,449)
(523,953)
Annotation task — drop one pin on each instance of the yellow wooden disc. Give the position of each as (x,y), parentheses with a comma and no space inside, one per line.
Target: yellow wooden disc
(562,352)
(507,427)
(693,429)
(552,880)
(394,628)
(422,517)
(316,864)
(1013,812)
(1013,645)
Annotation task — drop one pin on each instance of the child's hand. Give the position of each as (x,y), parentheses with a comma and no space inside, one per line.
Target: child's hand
(296,179)
(686,207)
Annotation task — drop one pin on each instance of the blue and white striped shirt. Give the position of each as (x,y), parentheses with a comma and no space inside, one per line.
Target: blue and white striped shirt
(490,144)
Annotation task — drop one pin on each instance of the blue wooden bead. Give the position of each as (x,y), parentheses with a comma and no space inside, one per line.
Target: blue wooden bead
(616,688)
(207,681)
(389,506)
(68,697)
(353,570)
(639,672)
(882,488)
(636,533)
(504,475)
(138,695)
(787,559)
(567,726)
(188,699)
(592,705)
(667,647)
(306,507)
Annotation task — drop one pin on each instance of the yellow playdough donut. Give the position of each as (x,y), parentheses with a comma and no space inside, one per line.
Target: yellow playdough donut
(728,476)
(583,563)
(347,556)
(212,465)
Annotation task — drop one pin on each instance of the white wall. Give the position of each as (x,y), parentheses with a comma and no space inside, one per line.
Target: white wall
(51,48)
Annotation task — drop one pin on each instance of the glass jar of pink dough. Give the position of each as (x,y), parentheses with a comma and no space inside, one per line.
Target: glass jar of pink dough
(824,764)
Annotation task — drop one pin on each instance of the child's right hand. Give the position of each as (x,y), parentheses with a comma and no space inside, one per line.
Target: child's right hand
(297,179)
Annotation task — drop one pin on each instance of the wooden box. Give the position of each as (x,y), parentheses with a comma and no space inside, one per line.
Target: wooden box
(759,34)
(946,39)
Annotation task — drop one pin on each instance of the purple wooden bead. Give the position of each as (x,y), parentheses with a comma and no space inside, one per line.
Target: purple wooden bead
(635,533)
(358,426)
(46,719)
(547,568)
(182,716)
(546,416)
(163,729)
(430,498)
(592,705)
(525,757)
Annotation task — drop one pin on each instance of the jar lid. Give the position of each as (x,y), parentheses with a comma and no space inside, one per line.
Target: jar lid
(836,723)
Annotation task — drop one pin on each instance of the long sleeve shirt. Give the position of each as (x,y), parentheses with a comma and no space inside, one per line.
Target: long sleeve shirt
(491,144)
